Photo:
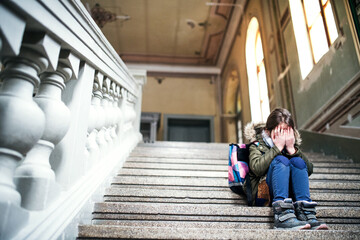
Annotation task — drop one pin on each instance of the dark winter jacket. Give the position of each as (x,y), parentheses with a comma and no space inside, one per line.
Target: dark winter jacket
(261,155)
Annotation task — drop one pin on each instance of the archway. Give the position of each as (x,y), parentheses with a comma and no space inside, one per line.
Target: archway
(232,109)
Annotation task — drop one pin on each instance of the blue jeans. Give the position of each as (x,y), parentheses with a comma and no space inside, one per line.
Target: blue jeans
(285,174)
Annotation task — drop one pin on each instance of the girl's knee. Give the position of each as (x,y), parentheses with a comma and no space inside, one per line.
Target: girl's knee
(281,159)
(298,162)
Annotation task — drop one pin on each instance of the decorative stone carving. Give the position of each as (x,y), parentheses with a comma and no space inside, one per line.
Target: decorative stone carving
(35,178)
(22,121)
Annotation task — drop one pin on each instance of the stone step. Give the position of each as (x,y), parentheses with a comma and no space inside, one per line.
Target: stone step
(126,194)
(141,232)
(216,155)
(334,216)
(187,145)
(223,162)
(219,225)
(219,146)
(199,173)
(190,180)
(212,156)
(213,210)
(221,210)
(212,146)
(223,168)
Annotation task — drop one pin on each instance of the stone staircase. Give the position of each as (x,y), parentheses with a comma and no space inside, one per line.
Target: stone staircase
(176,190)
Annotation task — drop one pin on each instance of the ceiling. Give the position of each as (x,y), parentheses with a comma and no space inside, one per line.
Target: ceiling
(175,32)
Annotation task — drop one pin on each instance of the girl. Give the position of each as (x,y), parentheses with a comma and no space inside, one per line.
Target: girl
(277,160)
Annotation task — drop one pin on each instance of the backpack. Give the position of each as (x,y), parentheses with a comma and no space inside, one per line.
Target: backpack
(238,168)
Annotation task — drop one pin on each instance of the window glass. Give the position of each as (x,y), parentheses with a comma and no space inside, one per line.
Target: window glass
(312,10)
(301,37)
(330,22)
(318,20)
(318,40)
(258,91)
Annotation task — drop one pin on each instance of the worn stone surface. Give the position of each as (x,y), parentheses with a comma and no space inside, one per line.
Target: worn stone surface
(173,190)
(208,233)
(209,194)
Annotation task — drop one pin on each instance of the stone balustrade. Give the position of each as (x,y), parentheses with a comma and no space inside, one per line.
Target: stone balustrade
(69,114)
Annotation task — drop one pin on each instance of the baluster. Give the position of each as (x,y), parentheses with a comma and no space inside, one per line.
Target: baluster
(120,116)
(22,121)
(106,106)
(35,178)
(126,110)
(91,144)
(100,136)
(115,115)
(15,105)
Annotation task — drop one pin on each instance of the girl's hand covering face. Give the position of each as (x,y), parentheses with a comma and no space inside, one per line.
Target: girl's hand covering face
(290,137)
(279,137)
(290,140)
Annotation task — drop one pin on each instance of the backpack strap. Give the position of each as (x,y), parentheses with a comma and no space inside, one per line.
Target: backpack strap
(248,182)
(248,190)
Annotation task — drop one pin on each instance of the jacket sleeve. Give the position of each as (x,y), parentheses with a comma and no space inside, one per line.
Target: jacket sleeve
(299,153)
(259,162)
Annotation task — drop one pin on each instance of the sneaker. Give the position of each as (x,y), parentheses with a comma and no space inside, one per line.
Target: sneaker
(285,218)
(305,211)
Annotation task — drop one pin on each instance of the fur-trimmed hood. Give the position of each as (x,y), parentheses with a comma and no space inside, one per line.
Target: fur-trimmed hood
(251,130)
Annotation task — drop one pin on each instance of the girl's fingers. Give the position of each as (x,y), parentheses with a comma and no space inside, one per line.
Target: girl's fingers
(273,134)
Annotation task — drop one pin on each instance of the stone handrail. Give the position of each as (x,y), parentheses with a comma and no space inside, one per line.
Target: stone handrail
(69,114)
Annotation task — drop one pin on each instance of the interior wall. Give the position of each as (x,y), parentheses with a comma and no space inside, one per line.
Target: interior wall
(237,60)
(307,98)
(334,70)
(229,120)
(181,96)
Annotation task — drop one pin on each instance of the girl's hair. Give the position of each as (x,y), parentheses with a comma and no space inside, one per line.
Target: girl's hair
(278,116)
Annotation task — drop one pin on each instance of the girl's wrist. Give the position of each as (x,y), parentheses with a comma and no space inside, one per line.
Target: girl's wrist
(291,150)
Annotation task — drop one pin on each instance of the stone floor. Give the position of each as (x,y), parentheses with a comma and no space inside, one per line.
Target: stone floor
(176,190)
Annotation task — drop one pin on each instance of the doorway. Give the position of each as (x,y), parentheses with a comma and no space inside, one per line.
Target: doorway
(188,128)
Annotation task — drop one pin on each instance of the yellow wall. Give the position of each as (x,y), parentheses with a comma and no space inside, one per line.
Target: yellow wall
(183,96)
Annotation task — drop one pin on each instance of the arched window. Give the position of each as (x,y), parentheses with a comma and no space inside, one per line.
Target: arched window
(258,91)
(315,30)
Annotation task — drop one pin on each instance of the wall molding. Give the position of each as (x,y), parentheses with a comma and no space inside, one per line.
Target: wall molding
(345,101)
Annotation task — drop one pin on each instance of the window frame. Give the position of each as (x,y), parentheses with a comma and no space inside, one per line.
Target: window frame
(325,24)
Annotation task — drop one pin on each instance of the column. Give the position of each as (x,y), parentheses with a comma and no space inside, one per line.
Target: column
(140,78)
